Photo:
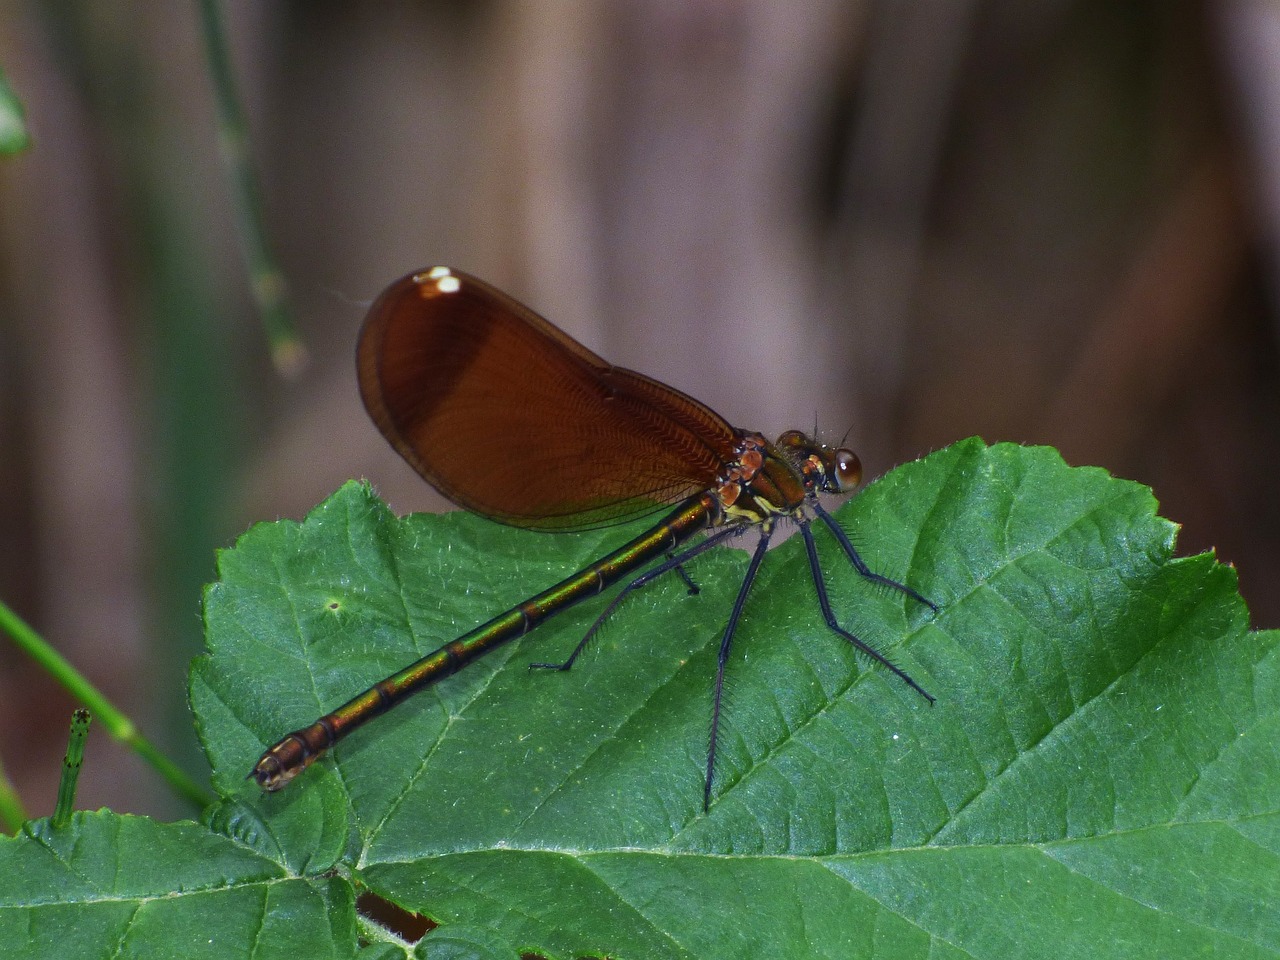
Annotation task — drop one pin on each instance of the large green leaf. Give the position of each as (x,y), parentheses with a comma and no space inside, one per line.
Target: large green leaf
(1099,776)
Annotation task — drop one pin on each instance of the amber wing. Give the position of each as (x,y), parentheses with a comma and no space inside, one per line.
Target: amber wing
(511,418)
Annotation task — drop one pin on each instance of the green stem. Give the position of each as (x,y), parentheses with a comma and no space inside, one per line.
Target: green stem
(71,769)
(14,137)
(287,351)
(12,813)
(117,724)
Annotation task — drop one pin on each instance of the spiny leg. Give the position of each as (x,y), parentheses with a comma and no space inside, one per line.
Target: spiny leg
(752,568)
(824,602)
(671,563)
(693,588)
(858,563)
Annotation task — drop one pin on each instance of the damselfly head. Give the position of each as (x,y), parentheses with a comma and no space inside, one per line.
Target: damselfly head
(825,469)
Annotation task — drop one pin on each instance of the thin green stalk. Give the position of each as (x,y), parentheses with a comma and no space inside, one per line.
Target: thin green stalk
(12,813)
(14,137)
(71,764)
(117,724)
(269,291)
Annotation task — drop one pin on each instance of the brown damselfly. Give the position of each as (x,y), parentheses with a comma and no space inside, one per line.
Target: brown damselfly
(512,419)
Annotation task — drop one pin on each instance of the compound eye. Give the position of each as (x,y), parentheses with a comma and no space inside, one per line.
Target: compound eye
(848,470)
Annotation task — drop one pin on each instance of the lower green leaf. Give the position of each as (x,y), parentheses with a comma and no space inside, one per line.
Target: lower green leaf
(1098,778)
(114,886)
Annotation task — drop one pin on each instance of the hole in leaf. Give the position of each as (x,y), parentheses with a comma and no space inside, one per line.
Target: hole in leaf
(407,925)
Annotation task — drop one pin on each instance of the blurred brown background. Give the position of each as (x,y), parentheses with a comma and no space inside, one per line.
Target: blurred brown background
(1047,223)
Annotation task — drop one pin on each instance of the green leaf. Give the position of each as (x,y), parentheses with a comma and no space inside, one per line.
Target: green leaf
(1100,768)
(109,885)
(1098,778)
